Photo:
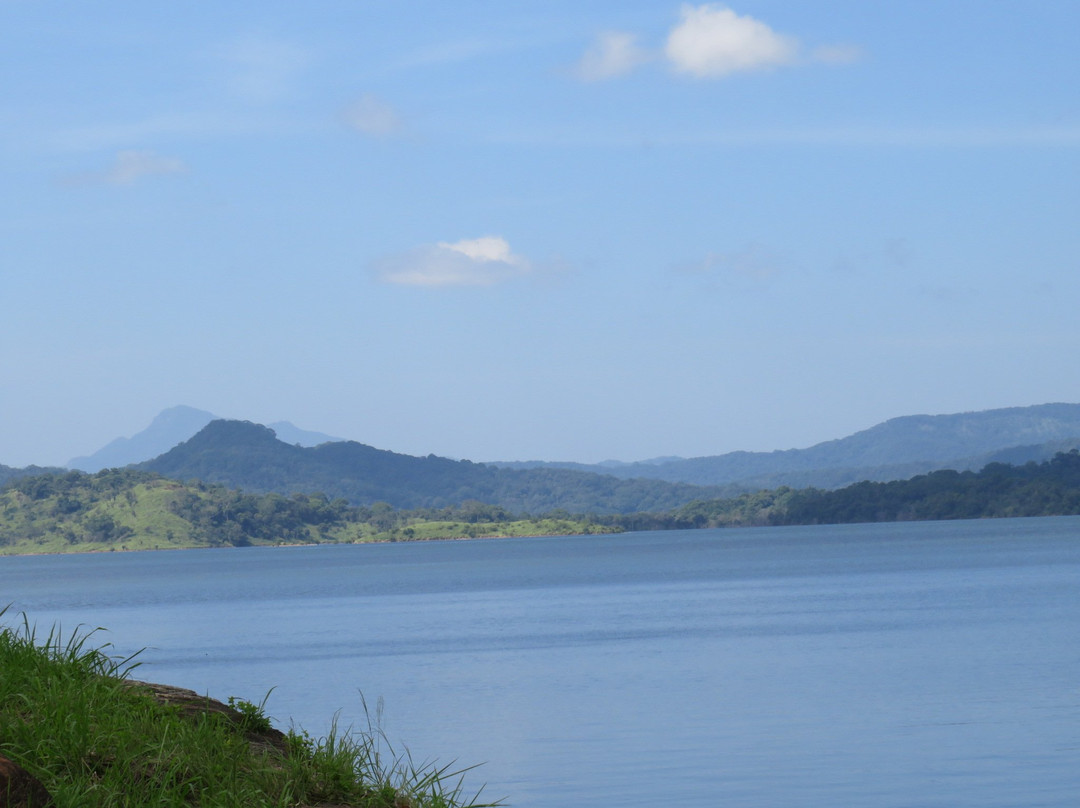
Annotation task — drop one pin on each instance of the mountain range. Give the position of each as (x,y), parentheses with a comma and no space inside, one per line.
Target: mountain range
(186,443)
(896,449)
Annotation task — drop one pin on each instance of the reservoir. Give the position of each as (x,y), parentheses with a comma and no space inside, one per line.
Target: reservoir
(889,665)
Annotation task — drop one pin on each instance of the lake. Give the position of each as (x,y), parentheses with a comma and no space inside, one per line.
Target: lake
(915,664)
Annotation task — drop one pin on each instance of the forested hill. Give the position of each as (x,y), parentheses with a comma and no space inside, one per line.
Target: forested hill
(1051,488)
(244,455)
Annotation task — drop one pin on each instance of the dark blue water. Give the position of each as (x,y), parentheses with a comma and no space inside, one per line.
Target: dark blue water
(928,664)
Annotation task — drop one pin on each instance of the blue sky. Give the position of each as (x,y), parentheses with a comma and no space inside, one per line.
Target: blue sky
(535,230)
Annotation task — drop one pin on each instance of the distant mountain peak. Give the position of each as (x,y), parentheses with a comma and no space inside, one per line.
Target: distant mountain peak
(175,425)
(169,427)
(181,413)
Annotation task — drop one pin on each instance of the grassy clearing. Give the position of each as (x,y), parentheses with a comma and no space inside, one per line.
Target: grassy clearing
(70,715)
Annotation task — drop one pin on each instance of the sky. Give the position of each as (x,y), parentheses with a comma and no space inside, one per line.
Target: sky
(535,230)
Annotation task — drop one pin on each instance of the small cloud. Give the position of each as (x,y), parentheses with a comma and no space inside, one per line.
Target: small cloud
(372,116)
(265,67)
(709,41)
(614,53)
(129,167)
(713,41)
(482,261)
(837,54)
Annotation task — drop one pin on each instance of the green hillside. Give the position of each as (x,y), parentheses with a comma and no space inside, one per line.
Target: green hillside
(123,509)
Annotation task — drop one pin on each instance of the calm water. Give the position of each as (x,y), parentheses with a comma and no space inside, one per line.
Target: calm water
(931,664)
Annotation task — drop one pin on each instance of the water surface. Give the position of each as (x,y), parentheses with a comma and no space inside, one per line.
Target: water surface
(926,664)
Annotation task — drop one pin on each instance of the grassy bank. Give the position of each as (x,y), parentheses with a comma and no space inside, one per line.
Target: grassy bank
(72,716)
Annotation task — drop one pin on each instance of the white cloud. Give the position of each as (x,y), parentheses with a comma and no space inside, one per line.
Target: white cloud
(710,41)
(483,261)
(614,53)
(264,67)
(485,248)
(371,115)
(713,41)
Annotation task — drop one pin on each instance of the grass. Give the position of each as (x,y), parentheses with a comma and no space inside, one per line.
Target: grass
(70,714)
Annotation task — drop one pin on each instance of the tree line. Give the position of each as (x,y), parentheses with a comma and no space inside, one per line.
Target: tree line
(1050,488)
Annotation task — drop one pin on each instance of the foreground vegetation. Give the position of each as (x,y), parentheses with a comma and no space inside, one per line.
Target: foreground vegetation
(70,715)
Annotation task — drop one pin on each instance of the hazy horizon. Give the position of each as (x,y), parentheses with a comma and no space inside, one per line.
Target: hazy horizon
(542,231)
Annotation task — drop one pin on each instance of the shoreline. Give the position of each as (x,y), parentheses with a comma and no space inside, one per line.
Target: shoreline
(108,550)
